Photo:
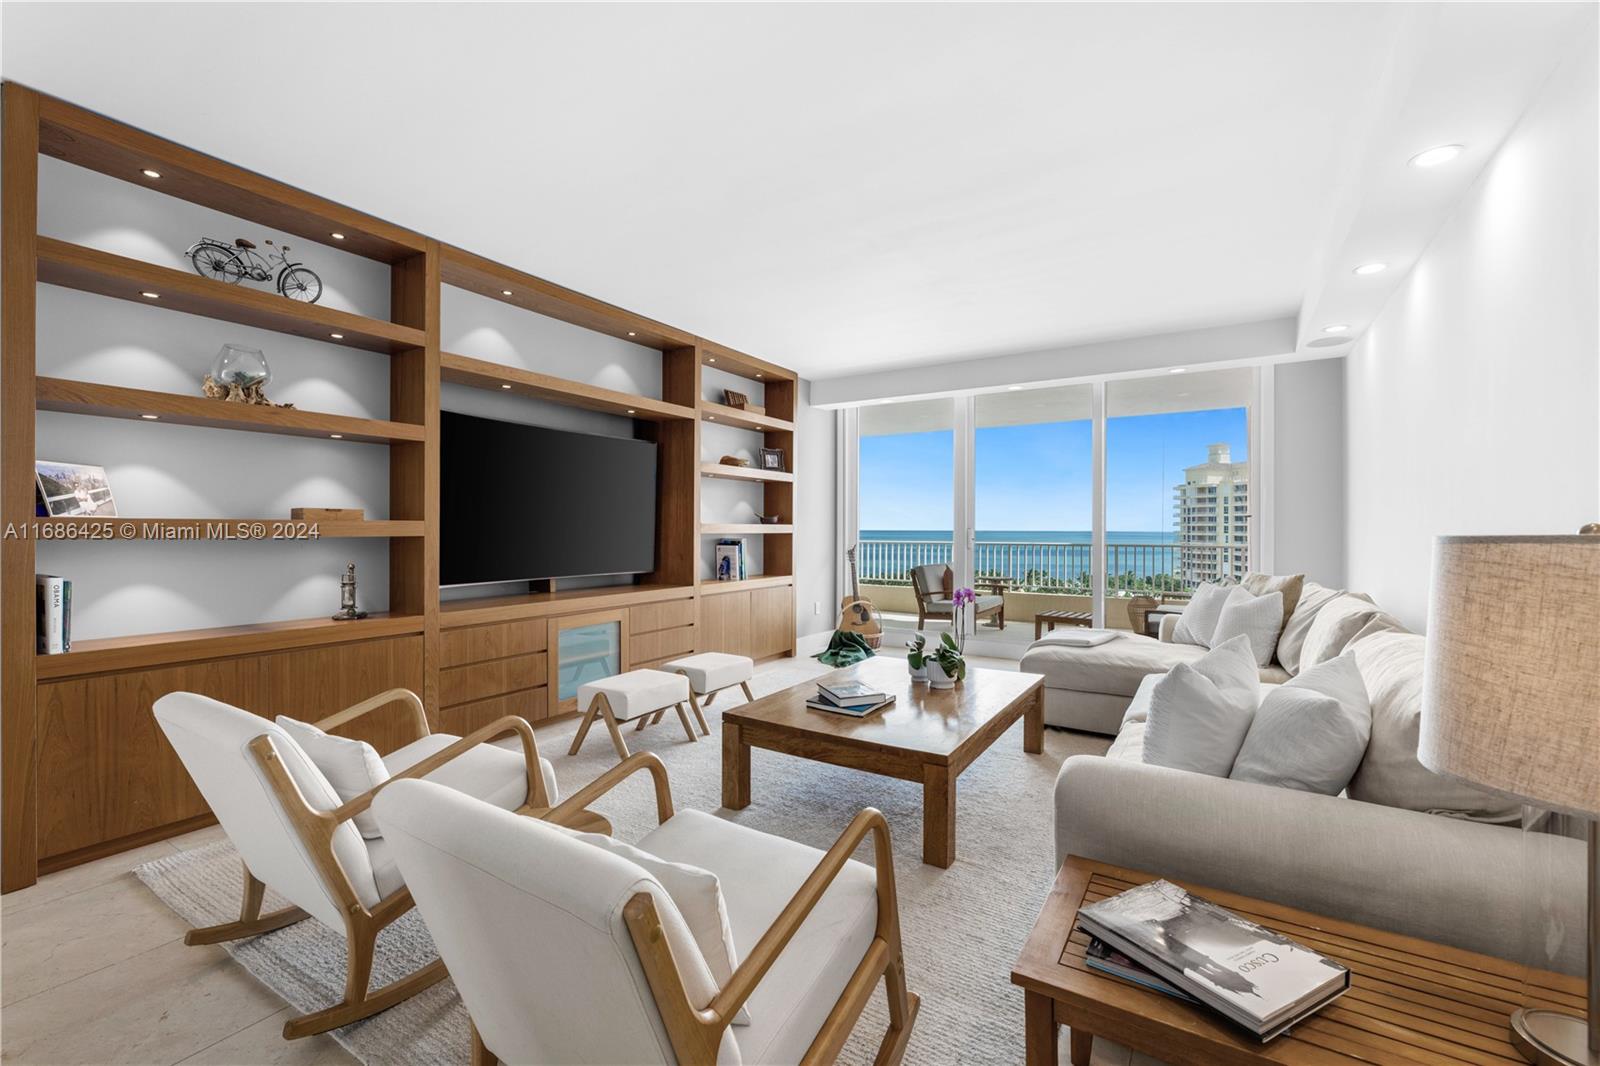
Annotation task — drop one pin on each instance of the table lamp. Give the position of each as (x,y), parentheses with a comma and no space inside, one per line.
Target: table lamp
(1511,703)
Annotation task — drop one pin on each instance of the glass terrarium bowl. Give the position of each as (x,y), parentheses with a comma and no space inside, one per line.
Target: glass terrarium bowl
(237,365)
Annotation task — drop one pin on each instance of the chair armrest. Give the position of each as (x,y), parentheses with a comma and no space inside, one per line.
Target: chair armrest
(419,715)
(1169,622)
(509,724)
(643,760)
(1486,888)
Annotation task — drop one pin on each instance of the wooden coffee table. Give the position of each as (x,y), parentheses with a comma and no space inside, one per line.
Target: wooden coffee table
(928,735)
(1410,1001)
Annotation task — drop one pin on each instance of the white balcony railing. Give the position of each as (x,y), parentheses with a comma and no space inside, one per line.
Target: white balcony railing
(1058,566)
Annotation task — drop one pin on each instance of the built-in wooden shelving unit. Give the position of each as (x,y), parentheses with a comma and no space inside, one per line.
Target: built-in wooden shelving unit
(115,401)
(82,773)
(91,270)
(479,373)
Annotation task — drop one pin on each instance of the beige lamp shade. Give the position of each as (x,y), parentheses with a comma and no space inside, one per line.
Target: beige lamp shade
(1511,685)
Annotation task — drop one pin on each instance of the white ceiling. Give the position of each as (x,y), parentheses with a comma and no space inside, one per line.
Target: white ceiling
(833,187)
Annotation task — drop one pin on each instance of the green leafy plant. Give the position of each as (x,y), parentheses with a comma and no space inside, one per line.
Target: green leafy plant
(949,658)
(916,651)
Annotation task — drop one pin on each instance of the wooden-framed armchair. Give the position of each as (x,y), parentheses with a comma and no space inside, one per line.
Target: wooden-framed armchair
(565,952)
(296,836)
(928,582)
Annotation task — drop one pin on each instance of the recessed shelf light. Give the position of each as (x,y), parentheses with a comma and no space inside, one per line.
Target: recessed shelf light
(758,373)
(337,336)
(1013,388)
(1370,268)
(1337,327)
(630,410)
(505,386)
(337,236)
(1178,370)
(151,173)
(713,359)
(151,295)
(150,418)
(711,418)
(631,333)
(1437,156)
(505,292)
(336,436)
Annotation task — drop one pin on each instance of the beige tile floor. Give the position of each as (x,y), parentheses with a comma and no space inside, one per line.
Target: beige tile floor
(93,969)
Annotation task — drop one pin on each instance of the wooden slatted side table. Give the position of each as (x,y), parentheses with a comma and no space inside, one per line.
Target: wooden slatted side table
(1410,1003)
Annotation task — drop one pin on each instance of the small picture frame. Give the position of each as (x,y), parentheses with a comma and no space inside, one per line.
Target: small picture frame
(773,459)
(72,489)
(735,399)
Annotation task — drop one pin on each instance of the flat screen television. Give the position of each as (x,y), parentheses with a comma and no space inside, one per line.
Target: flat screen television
(523,502)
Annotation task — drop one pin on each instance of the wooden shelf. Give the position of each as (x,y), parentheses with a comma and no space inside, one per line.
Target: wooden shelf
(485,277)
(158,649)
(720,529)
(93,141)
(114,401)
(126,527)
(744,473)
(481,374)
(723,415)
(760,581)
(741,365)
(76,267)
(453,613)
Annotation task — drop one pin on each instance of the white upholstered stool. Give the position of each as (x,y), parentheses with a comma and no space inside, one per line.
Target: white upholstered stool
(712,671)
(641,694)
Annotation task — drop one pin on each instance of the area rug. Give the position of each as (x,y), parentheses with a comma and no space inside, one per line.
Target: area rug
(962,927)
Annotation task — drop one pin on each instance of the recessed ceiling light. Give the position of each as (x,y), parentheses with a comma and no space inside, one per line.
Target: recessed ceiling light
(1337,327)
(336,436)
(1437,156)
(337,236)
(505,292)
(1370,268)
(149,418)
(1179,370)
(151,173)
(337,336)
(151,295)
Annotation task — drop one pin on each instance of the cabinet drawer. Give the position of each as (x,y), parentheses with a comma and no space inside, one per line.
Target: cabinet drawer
(662,644)
(477,643)
(670,614)
(531,704)
(475,681)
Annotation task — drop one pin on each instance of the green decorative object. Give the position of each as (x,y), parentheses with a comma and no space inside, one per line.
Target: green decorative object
(845,649)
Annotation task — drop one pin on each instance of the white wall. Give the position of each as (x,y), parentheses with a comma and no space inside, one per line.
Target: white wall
(1473,401)
(1308,507)
(816,500)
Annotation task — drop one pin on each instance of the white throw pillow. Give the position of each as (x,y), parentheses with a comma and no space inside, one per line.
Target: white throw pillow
(1198,621)
(1257,618)
(1310,732)
(1201,711)
(697,893)
(351,766)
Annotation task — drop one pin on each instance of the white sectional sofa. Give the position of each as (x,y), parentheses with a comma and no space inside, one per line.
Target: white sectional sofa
(1402,849)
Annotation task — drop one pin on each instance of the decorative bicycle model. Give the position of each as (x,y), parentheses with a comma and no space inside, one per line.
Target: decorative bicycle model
(235,262)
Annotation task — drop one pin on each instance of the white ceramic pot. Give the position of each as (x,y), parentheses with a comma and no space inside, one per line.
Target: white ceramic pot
(918,673)
(937,677)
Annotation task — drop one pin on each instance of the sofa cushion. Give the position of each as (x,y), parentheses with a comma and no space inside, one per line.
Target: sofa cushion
(1335,626)
(1390,774)
(1313,597)
(1289,585)
(636,692)
(1256,618)
(1115,667)
(1129,745)
(351,766)
(1310,732)
(759,874)
(1201,711)
(1198,622)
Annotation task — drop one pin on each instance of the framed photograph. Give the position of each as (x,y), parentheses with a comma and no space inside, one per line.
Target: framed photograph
(71,488)
(773,459)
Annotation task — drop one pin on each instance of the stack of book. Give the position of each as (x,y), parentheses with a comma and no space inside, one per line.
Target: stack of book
(731,560)
(1161,937)
(849,697)
(53,599)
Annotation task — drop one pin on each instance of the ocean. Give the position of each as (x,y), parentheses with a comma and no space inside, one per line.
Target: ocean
(1029,557)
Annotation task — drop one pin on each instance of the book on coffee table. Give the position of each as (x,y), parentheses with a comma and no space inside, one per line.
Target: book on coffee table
(850,693)
(1254,977)
(822,703)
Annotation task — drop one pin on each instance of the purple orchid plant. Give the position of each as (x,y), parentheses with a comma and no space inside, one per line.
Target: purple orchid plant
(961,598)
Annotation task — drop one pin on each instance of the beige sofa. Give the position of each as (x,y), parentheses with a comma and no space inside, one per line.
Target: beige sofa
(1402,849)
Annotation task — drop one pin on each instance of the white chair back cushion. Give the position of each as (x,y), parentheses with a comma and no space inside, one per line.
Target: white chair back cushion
(529,921)
(212,738)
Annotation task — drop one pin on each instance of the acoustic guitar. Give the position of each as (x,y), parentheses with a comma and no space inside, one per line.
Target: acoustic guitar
(857,615)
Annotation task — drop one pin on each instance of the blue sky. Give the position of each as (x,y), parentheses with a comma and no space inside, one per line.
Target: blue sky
(1037,477)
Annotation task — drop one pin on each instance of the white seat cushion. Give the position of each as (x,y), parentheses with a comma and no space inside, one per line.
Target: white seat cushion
(636,692)
(982,603)
(487,772)
(711,670)
(759,874)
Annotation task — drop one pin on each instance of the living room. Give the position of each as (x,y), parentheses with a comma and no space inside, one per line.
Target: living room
(745,533)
